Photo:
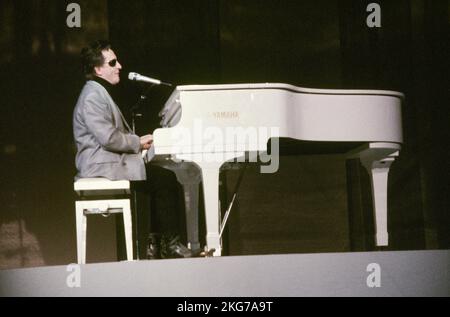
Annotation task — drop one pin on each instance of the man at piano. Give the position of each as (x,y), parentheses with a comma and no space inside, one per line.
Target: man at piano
(107,147)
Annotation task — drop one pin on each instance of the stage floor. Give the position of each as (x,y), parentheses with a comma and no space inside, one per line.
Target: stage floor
(390,273)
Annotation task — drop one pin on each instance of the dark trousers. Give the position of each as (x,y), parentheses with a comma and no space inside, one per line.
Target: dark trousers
(159,206)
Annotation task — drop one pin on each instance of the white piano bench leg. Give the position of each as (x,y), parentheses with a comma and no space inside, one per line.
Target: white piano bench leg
(378,171)
(81,226)
(117,205)
(128,228)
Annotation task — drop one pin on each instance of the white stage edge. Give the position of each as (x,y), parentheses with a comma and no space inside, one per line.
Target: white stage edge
(390,273)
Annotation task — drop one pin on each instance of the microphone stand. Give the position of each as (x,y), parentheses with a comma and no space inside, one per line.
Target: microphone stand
(134,114)
(136,107)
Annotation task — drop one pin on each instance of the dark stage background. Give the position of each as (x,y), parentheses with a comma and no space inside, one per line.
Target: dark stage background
(315,203)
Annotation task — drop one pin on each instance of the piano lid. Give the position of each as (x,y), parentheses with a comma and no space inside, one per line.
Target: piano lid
(291,88)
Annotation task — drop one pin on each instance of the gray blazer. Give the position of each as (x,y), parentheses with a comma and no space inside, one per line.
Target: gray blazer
(106,146)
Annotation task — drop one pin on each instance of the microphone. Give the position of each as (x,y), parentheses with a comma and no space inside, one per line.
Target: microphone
(145,79)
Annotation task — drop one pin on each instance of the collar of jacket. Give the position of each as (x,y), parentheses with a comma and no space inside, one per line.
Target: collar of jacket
(109,88)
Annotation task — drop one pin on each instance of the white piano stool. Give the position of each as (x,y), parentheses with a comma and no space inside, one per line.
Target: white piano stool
(89,189)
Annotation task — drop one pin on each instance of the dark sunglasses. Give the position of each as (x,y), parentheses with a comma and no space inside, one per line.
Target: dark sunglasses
(112,62)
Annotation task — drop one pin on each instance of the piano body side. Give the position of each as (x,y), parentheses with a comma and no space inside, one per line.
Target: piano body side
(353,116)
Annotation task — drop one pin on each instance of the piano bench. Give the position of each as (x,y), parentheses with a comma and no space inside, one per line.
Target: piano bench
(99,196)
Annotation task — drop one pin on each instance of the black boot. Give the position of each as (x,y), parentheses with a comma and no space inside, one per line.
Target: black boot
(171,247)
(153,246)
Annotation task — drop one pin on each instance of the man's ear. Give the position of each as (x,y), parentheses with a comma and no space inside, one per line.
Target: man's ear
(98,70)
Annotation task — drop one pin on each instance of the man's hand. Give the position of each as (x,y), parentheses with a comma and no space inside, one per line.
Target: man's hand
(146,141)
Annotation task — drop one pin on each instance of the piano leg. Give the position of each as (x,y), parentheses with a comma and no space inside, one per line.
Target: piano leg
(189,176)
(378,171)
(191,207)
(210,174)
(377,158)
(212,208)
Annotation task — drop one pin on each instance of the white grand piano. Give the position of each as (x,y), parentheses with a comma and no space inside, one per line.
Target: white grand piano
(204,126)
